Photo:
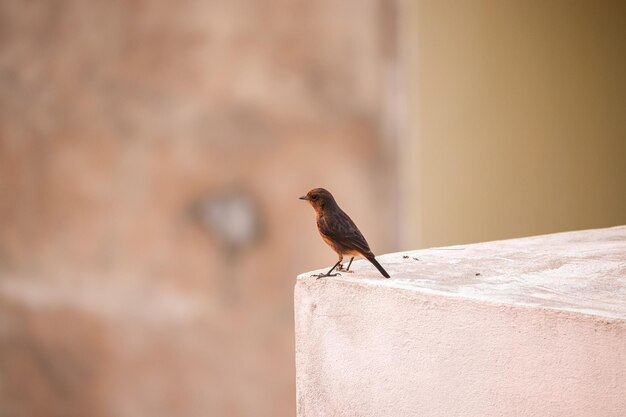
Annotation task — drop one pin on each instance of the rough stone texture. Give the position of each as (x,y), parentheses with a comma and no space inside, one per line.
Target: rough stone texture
(539,332)
(116,119)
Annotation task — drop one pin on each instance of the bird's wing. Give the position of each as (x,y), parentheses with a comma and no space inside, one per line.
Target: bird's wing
(339,228)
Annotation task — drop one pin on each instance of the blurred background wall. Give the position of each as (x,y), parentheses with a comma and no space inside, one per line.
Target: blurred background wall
(518,118)
(151,158)
(152,153)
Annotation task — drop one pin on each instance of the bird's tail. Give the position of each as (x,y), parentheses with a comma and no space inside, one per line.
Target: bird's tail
(374,262)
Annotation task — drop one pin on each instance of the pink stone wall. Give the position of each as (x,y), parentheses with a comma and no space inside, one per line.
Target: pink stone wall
(437,340)
(374,351)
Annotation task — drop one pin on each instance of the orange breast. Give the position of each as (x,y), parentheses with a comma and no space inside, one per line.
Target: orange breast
(339,251)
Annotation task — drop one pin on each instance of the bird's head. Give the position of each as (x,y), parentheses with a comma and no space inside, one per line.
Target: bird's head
(319,198)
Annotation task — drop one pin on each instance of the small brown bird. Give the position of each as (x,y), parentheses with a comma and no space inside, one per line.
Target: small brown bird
(339,231)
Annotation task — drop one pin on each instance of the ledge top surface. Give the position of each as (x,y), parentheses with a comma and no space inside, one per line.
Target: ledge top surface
(582,271)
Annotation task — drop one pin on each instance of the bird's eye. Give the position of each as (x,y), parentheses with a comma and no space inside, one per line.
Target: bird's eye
(314,197)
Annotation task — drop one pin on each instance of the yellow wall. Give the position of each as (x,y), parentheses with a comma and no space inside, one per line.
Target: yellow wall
(517,120)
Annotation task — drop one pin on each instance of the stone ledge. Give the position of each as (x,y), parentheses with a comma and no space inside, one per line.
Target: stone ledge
(540,331)
(583,271)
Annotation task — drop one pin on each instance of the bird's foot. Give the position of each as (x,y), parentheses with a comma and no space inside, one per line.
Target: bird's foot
(318,276)
(340,268)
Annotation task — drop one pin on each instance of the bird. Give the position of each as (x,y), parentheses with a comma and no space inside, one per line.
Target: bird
(339,231)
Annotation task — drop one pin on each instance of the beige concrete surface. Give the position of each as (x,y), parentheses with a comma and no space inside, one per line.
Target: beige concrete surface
(525,327)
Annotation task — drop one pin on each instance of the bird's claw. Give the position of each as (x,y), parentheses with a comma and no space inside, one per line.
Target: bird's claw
(318,276)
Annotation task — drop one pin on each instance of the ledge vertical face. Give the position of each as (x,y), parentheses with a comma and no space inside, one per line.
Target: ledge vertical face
(368,347)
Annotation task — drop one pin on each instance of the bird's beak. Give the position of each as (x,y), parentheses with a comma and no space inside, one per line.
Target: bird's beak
(303,198)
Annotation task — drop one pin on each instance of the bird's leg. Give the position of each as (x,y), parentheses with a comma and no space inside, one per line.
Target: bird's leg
(350,263)
(340,266)
(328,274)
